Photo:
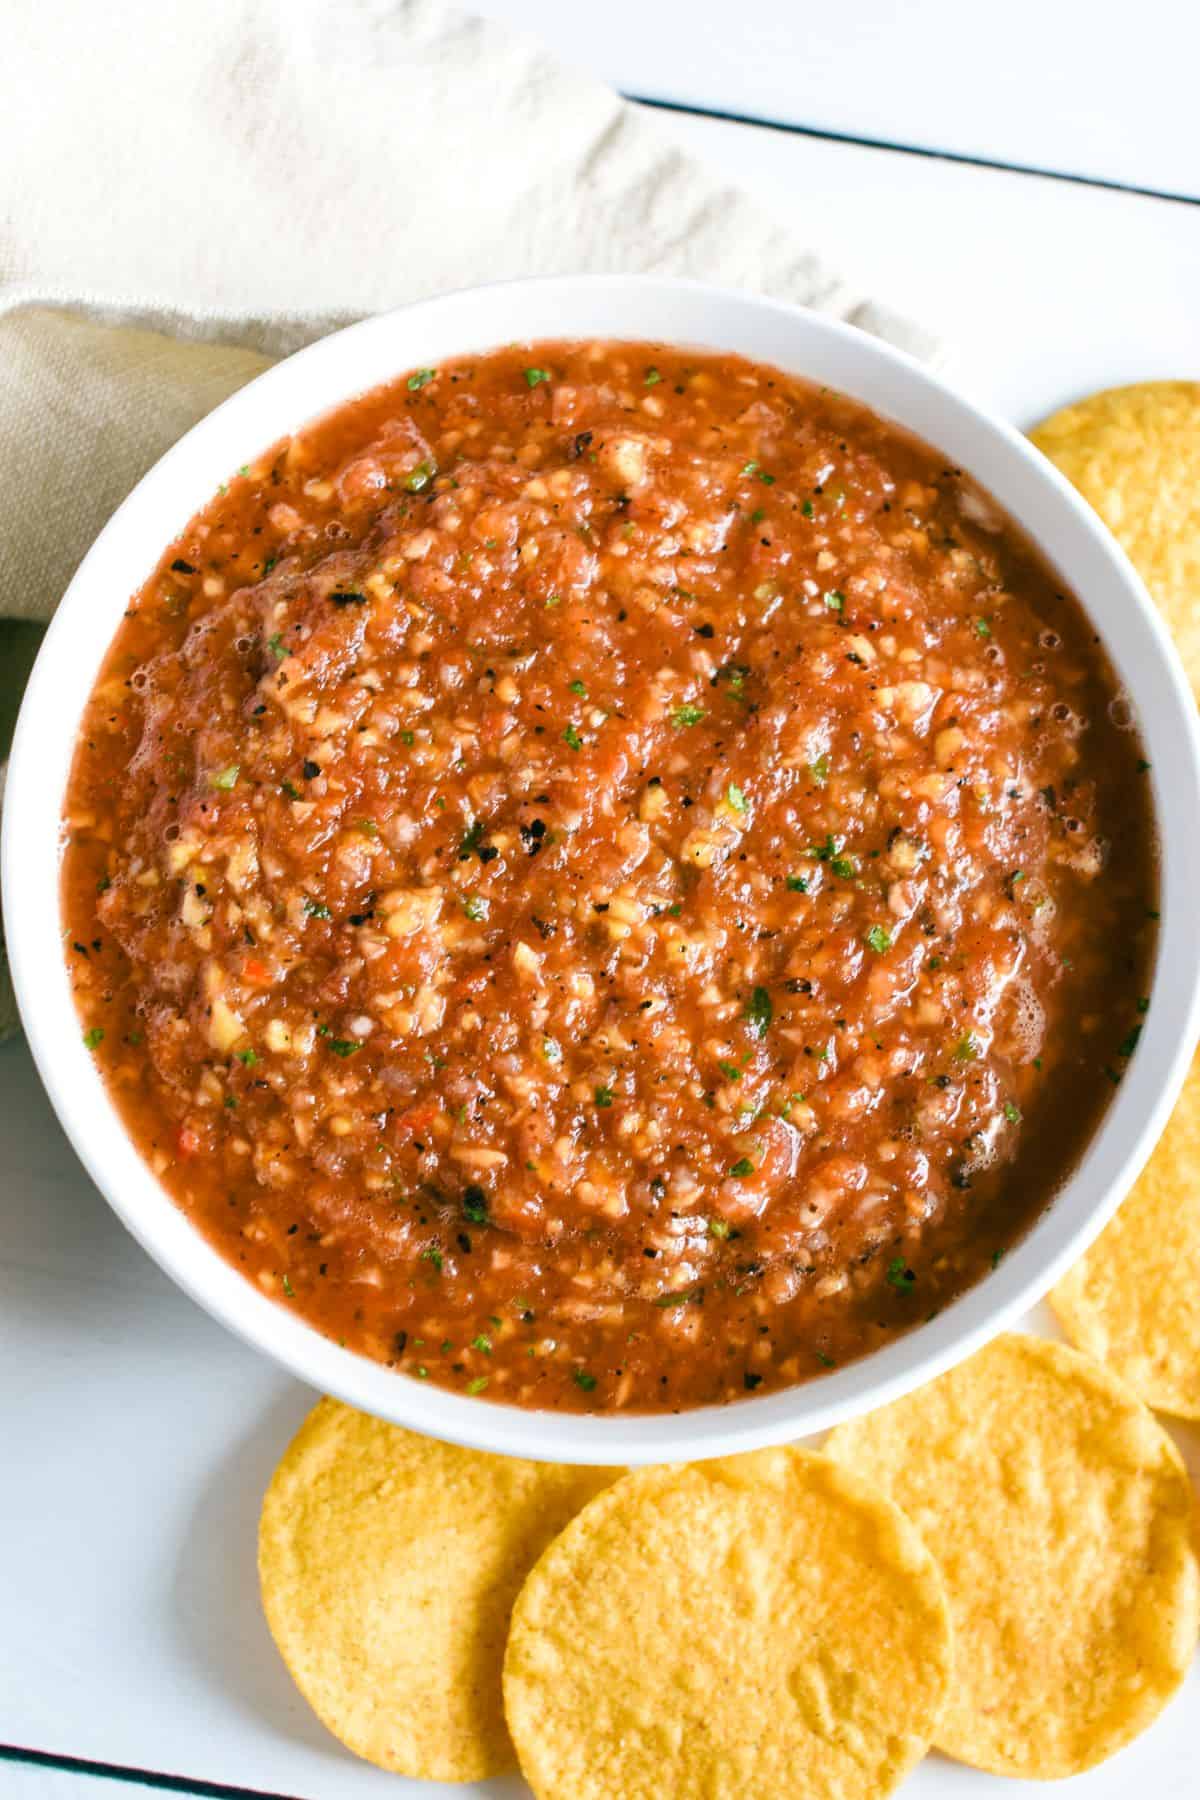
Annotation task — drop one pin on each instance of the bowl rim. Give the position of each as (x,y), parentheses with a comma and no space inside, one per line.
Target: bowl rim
(644,308)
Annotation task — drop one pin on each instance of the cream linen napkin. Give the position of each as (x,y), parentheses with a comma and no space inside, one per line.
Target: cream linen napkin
(193,190)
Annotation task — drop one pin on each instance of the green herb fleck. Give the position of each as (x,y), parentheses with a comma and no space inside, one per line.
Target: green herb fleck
(652,378)
(94,1038)
(807,509)
(796,884)
(247,1058)
(730,1071)
(603,1096)
(225,779)
(533,377)
(686,715)
(718,1228)
(982,628)
(737,799)
(819,770)
(879,940)
(421,379)
(572,738)
(900,1275)
(759,1011)
(741,1168)
(475,1205)
(967,1048)
(344,1047)
(482,1342)
(477,1386)
(583,1380)
(418,479)
(432,1254)
(578,687)
(288,1289)
(317,909)
(475,907)
(1012,1112)
(835,600)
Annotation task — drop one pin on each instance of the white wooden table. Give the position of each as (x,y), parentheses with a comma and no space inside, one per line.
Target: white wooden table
(135,1435)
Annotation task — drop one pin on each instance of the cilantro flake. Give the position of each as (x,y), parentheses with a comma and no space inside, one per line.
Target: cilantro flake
(759,1012)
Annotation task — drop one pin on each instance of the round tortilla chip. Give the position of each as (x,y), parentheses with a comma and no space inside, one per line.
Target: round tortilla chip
(1061,1514)
(389,1564)
(1134,1299)
(761,1625)
(1134,454)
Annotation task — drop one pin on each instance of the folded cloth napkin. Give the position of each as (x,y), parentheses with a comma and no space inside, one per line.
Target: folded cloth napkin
(195,190)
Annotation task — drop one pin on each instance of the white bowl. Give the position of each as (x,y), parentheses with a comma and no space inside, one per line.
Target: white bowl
(308,384)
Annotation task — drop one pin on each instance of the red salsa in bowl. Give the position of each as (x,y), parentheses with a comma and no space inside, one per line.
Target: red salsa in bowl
(608,877)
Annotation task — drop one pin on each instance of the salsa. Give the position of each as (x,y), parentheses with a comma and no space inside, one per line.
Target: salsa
(606,876)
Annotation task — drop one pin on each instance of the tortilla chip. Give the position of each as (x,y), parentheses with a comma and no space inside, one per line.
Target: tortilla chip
(1061,1514)
(389,1564)
(765,1625)
(1134,1299)
(1134,454)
